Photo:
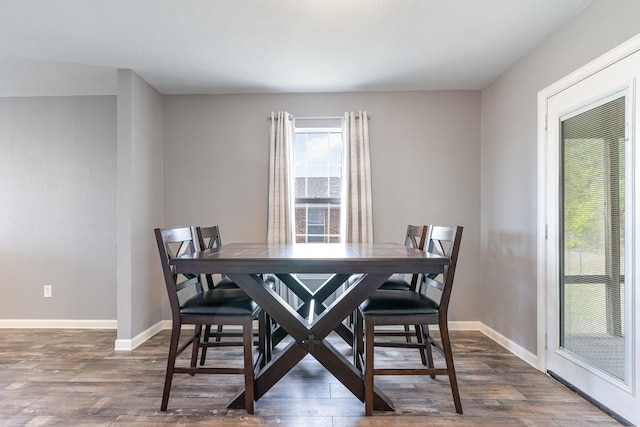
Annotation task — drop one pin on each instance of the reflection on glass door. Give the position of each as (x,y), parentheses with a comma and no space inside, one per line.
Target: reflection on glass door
(592,286)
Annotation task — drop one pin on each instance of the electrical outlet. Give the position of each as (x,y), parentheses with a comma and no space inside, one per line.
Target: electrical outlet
(48,291)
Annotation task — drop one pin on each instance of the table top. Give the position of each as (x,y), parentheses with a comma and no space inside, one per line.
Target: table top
(311,258)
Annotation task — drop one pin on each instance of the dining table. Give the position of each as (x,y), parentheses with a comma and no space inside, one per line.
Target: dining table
(353,272)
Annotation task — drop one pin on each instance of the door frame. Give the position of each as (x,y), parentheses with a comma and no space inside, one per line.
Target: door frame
(625,49)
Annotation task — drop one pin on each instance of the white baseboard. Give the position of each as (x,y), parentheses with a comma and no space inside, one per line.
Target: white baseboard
(505,342)
(453,326)
(130,344)
(465,326)
(518,350)
(57,324)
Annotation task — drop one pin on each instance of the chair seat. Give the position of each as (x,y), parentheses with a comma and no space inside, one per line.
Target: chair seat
(398,303)
(226,283)
(395,284)
(229,302)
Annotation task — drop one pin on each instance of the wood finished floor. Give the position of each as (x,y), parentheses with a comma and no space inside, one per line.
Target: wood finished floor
(74,378)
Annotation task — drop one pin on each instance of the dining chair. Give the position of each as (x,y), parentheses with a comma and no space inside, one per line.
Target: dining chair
(192,305)
(415,238)
(210,238)
(427,305)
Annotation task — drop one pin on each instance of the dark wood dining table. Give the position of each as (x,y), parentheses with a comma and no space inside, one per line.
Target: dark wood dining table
(365,266)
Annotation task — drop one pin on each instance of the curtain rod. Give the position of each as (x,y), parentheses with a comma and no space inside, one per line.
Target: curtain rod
(318,117)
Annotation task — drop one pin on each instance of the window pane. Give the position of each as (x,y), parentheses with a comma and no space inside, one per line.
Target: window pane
(316,169)
(334,170)
(316,217)
(335,187)
(300,150)
(592,291)
(318,172)
(335,147)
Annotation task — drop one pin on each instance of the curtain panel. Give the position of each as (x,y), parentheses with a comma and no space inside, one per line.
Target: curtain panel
(280,209)
(280,213)
(358,209)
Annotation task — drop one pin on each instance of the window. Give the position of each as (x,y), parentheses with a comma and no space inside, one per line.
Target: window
(318,155)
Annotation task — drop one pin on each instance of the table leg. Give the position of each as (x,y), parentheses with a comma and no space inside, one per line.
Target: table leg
(311,339)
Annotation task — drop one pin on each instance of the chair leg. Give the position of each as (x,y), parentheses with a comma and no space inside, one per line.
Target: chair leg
(448,357)
(171,363)
(207,335)
(197,333)
(428,341)
(358,344)
(247,338)
(369,333)
(421,341)
(262,338)
(268,342)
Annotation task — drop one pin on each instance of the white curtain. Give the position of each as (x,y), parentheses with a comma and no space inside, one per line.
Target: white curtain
(280,210)
(358,221)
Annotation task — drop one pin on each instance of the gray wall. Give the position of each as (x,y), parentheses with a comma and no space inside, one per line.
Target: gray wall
(141,291)
(425,155)
(81,191)
(57,199)
(509,161)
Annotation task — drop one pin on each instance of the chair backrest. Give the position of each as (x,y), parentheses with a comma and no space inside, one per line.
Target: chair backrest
(442,241)
(174,242)
(416,238)
(209,238)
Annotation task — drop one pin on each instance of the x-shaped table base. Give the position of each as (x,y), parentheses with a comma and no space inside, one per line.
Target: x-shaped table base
(309,334)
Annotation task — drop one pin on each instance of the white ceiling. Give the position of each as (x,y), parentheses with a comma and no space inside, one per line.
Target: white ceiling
(68,47)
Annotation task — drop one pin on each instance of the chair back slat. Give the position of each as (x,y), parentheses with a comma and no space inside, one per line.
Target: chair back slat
(415,238)
(209,238)
(187,283)
(428,282)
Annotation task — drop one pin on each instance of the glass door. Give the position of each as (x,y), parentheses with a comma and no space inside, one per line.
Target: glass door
(591,218)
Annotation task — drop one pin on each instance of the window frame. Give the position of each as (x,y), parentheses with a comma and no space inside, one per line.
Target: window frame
(328,202)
